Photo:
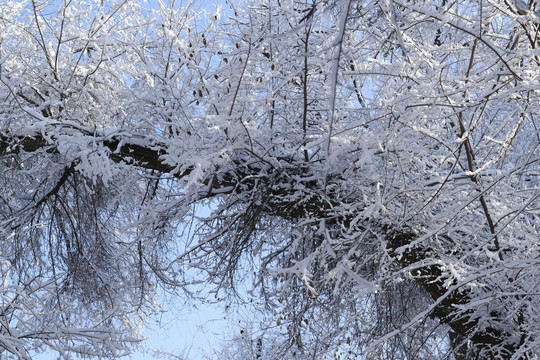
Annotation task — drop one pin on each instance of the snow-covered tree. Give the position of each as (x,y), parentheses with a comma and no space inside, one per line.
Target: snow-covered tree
(370,169)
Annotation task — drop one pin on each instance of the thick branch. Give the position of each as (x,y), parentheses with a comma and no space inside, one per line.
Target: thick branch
(121,150)
(278,187)
(464,324)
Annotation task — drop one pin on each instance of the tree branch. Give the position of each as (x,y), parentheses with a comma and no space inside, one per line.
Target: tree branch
(277,186)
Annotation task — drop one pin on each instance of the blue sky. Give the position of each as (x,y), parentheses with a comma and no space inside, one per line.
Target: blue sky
(186,331)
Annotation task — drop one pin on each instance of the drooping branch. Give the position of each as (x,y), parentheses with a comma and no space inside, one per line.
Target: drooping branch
(278,187)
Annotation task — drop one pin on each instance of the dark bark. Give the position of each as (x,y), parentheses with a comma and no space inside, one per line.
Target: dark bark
(276,184)
(464,325)
(121,150)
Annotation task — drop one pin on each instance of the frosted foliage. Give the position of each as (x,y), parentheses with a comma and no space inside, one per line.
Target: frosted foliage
(361,176)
